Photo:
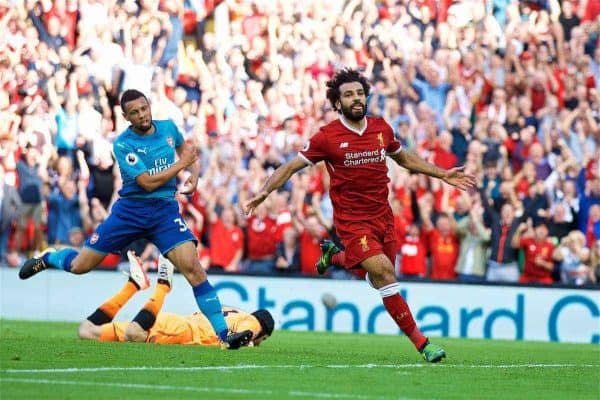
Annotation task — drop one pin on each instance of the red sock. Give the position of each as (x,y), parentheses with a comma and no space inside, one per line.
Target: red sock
(339,259)
(400,313)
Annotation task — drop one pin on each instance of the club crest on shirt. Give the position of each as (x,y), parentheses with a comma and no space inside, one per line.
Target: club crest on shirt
(380,138)
(94,238)
(258,225)
(306,146)
(364,243)
(131,158)
(170,141)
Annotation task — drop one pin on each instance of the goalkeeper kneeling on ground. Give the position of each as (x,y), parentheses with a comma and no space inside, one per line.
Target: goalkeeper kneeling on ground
(153,326)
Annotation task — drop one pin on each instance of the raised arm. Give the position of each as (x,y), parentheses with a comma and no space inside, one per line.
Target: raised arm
(516,239)
(275,181)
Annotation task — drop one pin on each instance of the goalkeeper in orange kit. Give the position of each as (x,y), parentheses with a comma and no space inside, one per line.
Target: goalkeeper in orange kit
(153,326)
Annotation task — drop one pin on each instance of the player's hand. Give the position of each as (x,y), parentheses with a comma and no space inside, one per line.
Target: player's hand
(189,186)
(456,177)
(188,155)
(254,202)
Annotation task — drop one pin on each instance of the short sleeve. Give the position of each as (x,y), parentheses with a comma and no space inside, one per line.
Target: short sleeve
(176,134)
(315,149)
(130,164)
(394,145)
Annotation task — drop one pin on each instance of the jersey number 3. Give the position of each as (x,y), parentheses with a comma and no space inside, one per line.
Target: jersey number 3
(182,226)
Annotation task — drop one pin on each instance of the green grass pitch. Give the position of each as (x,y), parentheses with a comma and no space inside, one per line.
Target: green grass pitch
(44,360)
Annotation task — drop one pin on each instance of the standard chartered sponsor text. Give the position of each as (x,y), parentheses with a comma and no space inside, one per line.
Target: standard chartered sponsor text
(364,157)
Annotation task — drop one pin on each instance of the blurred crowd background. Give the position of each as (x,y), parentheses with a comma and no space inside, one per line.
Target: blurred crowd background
(508,88)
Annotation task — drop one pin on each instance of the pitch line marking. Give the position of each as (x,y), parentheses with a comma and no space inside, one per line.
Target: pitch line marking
(254,366)
(294,393)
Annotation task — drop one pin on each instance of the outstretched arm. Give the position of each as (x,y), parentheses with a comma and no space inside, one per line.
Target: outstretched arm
(275,181)
(455,176)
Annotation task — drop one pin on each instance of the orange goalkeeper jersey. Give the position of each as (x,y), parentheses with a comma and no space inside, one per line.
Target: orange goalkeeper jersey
(172,328)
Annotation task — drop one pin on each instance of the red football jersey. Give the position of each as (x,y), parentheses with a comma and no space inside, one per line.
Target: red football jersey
(310,251)
(262,237)
(413,252)
(356,162)
(533,249)
(444,254)
(224,243)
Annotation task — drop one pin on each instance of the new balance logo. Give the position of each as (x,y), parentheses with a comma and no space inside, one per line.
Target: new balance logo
(343,145)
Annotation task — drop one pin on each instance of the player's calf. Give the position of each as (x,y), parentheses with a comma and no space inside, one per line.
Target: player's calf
(88,331)
(135,333)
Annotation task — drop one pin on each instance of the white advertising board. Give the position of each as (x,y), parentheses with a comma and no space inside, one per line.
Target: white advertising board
(453,310)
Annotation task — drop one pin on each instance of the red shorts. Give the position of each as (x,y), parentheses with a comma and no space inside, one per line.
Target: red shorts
(364,239)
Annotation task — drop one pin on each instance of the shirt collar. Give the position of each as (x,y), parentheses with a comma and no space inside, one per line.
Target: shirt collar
(350,127)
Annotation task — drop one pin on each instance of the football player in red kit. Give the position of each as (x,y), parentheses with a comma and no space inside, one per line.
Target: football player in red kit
(355,148)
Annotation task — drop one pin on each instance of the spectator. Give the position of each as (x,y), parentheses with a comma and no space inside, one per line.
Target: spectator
(442,242)
(474,239)
(573,256)
(595,263)
(261,232)
(225,237)
(412,253)
(10,211)
(287,257)
(30,192)
(593,230)
(538,253)
(311,233)
(63,209)
(104,178)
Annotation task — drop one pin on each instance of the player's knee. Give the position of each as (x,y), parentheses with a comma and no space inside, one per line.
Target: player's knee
(381,278)
(189,263)
(80,265)
(135,333)
(192,269)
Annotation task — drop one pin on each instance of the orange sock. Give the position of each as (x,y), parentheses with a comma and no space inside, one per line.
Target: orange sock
(147,315)
(155,303)
(112,306)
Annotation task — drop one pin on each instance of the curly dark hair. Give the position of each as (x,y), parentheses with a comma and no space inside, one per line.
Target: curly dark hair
(345,75)
(130,95)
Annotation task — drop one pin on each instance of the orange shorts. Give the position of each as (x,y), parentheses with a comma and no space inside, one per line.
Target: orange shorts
(168,329)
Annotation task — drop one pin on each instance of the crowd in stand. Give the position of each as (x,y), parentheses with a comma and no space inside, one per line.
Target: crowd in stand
(509,89)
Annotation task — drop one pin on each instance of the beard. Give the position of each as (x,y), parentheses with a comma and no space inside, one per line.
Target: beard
(354,115)
(144,127)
